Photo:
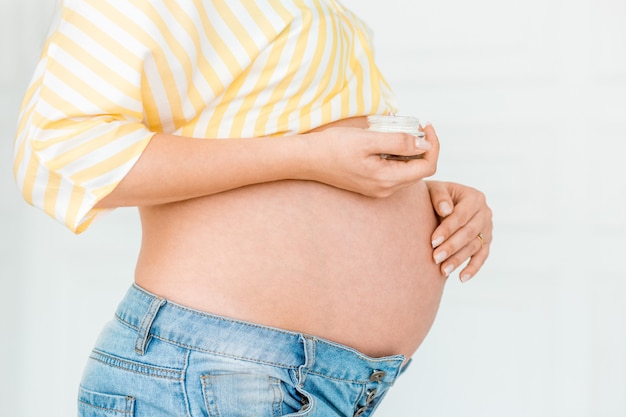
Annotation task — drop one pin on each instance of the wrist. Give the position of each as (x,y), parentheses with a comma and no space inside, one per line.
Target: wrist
(306,159)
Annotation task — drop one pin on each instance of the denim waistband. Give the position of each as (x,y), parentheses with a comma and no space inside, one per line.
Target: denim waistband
(155,317)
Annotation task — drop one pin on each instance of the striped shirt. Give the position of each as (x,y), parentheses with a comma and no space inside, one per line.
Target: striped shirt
(113,73)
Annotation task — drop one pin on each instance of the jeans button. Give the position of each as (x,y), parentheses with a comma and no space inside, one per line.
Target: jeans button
(370,396)
(377,376)
(360,411)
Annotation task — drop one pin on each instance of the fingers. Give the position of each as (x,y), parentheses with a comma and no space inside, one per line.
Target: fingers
(474,265)
(402,144)
(466,203)
(389,175)
(477,253)
(406,144)
(441,199)
(432,155)
(455,240)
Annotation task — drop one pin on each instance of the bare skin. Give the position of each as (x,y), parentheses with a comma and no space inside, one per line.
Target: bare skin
(313,254)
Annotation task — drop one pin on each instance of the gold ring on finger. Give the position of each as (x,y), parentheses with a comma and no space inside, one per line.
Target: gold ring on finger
(481,238)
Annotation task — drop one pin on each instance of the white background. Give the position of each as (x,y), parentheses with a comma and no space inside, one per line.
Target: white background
(529,99)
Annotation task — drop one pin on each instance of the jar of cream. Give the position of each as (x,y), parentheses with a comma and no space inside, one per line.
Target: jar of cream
(392,123)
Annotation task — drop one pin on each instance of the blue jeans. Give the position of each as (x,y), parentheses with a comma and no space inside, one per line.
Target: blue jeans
(158,358)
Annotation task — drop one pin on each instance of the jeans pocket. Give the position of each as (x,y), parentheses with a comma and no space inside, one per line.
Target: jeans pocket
(95,404)
(242,394)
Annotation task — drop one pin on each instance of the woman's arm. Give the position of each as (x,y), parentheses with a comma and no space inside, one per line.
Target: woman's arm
(175,168)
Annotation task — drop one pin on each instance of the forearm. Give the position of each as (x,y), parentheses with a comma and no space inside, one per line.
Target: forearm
(178,168)
(175,168)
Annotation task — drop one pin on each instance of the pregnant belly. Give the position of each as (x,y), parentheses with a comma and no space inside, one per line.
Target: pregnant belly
(301,256)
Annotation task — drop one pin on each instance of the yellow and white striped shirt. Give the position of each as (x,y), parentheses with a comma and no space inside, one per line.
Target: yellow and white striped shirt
(113,73)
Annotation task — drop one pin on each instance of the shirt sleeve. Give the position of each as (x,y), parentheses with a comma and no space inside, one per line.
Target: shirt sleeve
(82,125)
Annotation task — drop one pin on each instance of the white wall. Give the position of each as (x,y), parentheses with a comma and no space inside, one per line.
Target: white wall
(529,99)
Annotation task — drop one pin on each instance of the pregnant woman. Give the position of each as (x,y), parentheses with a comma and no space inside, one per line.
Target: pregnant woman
(285,267)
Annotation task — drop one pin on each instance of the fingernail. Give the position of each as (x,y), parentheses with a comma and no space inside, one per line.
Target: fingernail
(448,270)
(423,144)
(465,278)
(444,208)
(438,241)
(428,123)
(440,257)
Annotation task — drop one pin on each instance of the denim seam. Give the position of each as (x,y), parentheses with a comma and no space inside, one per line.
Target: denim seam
(150,370)
(107,409)
(352,381)
(206,387)
(278,396)
(184,383)
(394,358)
(195,348)
(242,358)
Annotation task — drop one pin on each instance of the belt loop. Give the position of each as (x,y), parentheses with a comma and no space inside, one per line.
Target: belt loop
(309,343)
(143,334)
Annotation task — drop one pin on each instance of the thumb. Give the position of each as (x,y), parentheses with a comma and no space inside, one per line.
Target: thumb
(397,143)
